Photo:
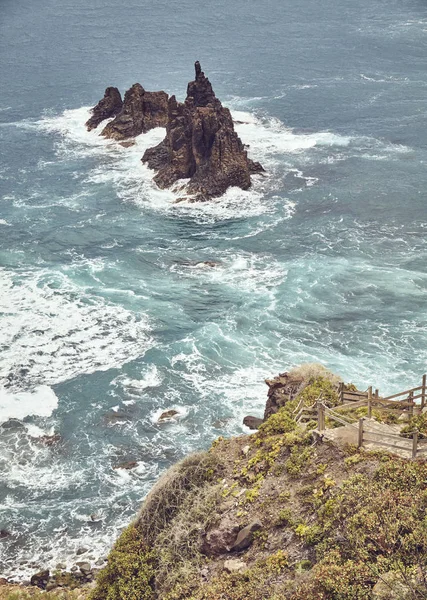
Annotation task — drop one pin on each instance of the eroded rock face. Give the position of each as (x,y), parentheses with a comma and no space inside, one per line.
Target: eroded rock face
(110,106)
(281,389)
(141,112)
(201,145)
(220,537)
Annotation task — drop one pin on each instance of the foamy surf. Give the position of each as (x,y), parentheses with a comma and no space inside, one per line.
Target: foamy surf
(268,140)
(53,330)
(40,401)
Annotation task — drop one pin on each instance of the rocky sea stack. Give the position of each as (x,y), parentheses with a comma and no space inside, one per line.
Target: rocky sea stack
(109,106)
(201,145)
(141,112)
(138,113)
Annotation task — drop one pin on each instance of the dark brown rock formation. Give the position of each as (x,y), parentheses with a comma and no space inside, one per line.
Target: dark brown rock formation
(281,389)
(141,112)
(110,106)
(201,145)
(252,422)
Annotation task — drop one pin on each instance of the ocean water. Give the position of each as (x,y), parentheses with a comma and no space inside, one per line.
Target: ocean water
(108,317)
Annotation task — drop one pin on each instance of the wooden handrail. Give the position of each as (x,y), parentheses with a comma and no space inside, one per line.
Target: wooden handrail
(405,393)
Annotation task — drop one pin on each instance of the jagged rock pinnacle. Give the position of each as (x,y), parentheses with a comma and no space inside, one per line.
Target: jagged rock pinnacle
(201,145)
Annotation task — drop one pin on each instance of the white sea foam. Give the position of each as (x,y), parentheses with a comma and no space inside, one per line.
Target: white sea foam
(133,387)
(41,401)
(4,222)
(268,140)
(54,330)
(247,272)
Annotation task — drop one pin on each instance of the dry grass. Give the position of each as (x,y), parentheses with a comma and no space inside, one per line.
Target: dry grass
(16,592)
(311,371)
(167,497)
(180,542)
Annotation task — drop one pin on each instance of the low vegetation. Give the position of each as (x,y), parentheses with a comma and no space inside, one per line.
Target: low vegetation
(337,524)
(332,523)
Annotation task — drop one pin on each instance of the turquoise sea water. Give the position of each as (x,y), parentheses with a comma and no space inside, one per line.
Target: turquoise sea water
(106,319)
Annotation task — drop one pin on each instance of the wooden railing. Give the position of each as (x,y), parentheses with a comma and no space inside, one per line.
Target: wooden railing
(415,393)
(415,447)
(303,413)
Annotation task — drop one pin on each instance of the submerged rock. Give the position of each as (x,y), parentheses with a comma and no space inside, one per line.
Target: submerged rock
(167,415)
(110,106)
(201,145)
(127,465)
(49,440)
(4,533)
(141,112)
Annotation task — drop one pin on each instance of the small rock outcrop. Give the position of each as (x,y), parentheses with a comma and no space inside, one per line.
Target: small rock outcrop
(252,422)
(201,145)
(168,415)
(245,537)
(110,106)
(141,112)
(40,579)
(219,539)
(281,389)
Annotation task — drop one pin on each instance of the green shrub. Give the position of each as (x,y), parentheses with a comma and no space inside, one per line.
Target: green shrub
(129,574)
(323,388)
(419,422)
(299,458)
(280,422)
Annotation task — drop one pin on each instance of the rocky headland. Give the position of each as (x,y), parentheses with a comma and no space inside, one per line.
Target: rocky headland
(201,146)
(281,514)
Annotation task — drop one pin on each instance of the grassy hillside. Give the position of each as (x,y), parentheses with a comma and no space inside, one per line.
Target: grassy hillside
(323,522)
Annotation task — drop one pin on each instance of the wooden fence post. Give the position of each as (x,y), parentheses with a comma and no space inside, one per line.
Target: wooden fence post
(411,404)
(321,417)
(360,443)
(341,392)
(377,394)
(415,444)
(369,402)
(423,392)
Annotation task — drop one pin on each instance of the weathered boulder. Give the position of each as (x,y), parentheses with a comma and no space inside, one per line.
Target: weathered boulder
(85,568)
(234,565)
(40,579)
(245,537)
(220,537)
(252,422)
(141,112)
(201,145)
(110,106)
